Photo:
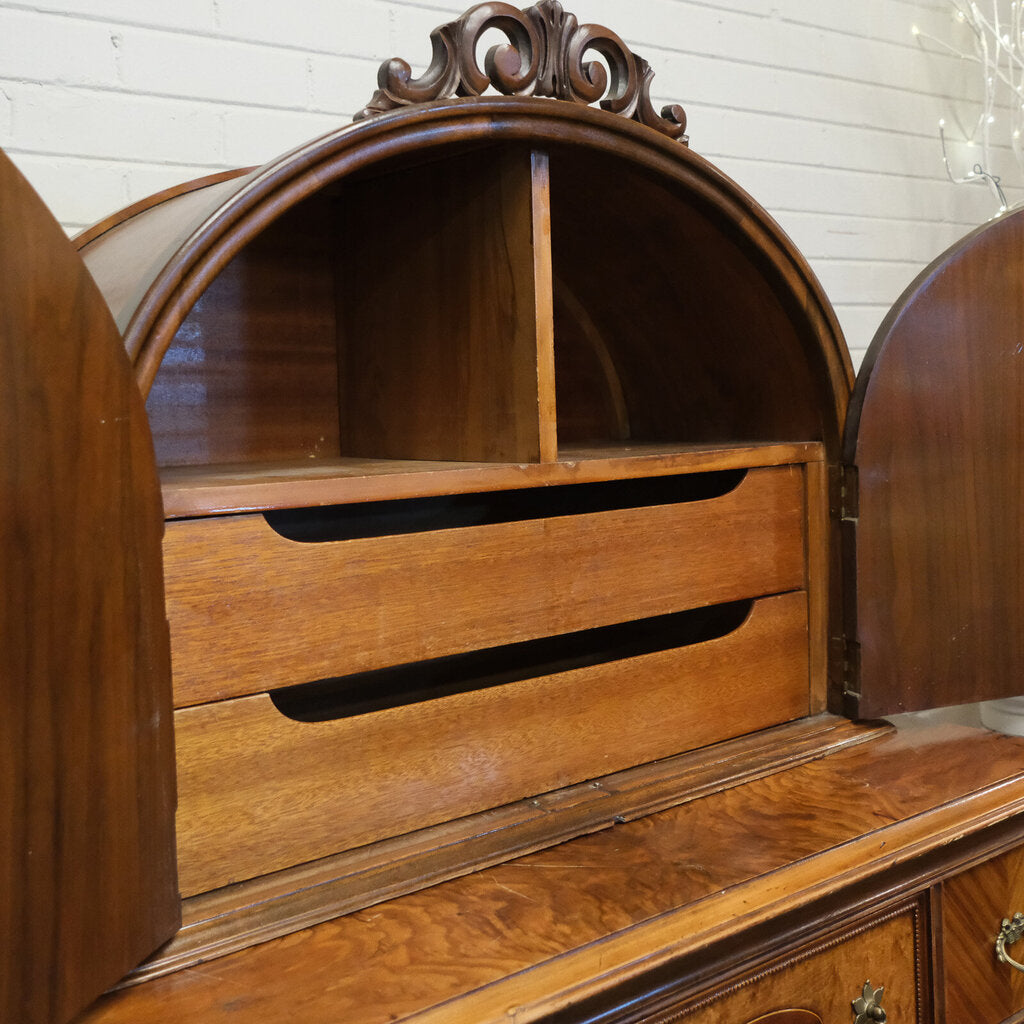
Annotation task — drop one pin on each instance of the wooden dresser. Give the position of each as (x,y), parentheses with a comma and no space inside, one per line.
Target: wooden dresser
(531,581)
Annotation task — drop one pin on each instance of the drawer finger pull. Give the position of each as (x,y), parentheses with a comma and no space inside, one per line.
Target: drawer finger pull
(867,1007)
(1012,929)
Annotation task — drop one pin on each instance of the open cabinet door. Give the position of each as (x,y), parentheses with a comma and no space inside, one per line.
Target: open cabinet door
(936,435)
(87,872)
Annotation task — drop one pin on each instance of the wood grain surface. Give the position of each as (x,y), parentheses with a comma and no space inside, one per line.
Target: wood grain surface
(439,304)
(243,487)
(252,373)
(125,259)
(241,915)
(153,273)
(251,611)
(826,977)
(979,988)
(258,792)
(573,921)
(937,433)
(682,313)
(86,758)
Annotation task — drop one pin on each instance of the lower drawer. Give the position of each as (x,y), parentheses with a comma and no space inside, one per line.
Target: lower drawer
(979,988)
(825,978)
(259,791)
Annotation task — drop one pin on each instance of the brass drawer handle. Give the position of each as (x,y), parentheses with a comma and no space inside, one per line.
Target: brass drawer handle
(867,1007)
(1010,932)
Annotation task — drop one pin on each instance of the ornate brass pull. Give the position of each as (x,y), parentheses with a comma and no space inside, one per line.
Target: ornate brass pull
(1011,930)
(867,1007)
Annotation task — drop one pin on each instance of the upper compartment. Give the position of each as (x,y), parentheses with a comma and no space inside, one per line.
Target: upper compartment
(473,293)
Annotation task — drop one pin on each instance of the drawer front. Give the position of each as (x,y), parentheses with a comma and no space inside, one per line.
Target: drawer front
(979,988)
(250,610)
(260,791)
(825,978)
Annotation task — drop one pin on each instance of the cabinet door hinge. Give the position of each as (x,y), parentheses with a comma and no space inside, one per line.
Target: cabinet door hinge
(847,654)
(849,494)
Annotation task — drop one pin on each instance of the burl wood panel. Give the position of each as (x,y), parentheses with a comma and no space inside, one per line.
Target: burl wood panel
(573,921)
(979,988)
(827,977)
(251,374)
(442,304)
(259,792)
(251,611)
(937,434)
(87,886)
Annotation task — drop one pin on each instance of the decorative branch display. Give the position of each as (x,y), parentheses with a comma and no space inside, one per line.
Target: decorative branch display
(544,56)
(999,53)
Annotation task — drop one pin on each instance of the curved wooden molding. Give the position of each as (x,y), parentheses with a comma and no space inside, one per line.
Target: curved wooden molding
(544,56)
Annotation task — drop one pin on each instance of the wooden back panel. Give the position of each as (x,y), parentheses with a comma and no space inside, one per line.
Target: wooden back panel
(937,436)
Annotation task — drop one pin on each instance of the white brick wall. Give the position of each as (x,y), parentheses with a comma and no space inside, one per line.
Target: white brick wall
(825,110)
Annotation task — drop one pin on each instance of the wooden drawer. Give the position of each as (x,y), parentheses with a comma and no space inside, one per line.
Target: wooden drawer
(979,988)
(251,611)
(259,791)
(825,977)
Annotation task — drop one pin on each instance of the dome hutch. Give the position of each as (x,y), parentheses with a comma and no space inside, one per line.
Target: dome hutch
(451,574)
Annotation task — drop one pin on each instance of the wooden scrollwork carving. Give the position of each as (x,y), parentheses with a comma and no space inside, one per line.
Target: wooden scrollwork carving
(545,56)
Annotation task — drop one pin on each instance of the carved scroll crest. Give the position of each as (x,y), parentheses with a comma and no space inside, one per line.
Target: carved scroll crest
(545,56)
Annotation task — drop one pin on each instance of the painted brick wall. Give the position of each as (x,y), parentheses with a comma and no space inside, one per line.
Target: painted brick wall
(825,110)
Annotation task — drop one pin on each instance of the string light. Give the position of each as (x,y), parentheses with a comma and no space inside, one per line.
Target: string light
(999,53)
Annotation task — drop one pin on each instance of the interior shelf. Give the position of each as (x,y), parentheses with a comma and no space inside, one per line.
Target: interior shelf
(295,483)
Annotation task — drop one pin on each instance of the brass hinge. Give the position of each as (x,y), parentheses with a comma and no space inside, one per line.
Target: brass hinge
(847,653)
(849,494)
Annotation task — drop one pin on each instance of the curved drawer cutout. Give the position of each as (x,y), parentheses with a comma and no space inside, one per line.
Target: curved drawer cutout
(250,611)
(325,700)
(259,792)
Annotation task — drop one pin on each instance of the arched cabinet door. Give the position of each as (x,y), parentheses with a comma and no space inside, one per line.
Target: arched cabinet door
(87,874)
(935,559)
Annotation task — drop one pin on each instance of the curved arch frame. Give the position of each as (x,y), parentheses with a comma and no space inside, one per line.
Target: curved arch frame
(288,180)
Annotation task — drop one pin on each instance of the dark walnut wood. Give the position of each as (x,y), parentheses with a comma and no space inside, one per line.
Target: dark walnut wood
(86,757)
(936,428)
(544,56)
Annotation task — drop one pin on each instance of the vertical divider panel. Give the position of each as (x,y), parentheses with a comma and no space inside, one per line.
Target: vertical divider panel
(437,308)
(818,555)
(544,299)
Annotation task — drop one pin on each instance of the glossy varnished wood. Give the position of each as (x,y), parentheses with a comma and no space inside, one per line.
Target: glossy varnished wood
(826,976)
(442,362)
(202,240)
(259,792)
(937,436)
(242,487)
(132,248)
(251,375)
(86,761)
(89,235)
(250,610)
(682,313)
(978,987)
(569,922)
(229,919)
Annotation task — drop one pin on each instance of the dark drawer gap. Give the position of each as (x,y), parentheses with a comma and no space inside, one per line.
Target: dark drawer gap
(419,515)
(358,694)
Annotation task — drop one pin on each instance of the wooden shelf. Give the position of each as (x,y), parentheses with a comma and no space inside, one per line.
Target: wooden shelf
(240,487)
